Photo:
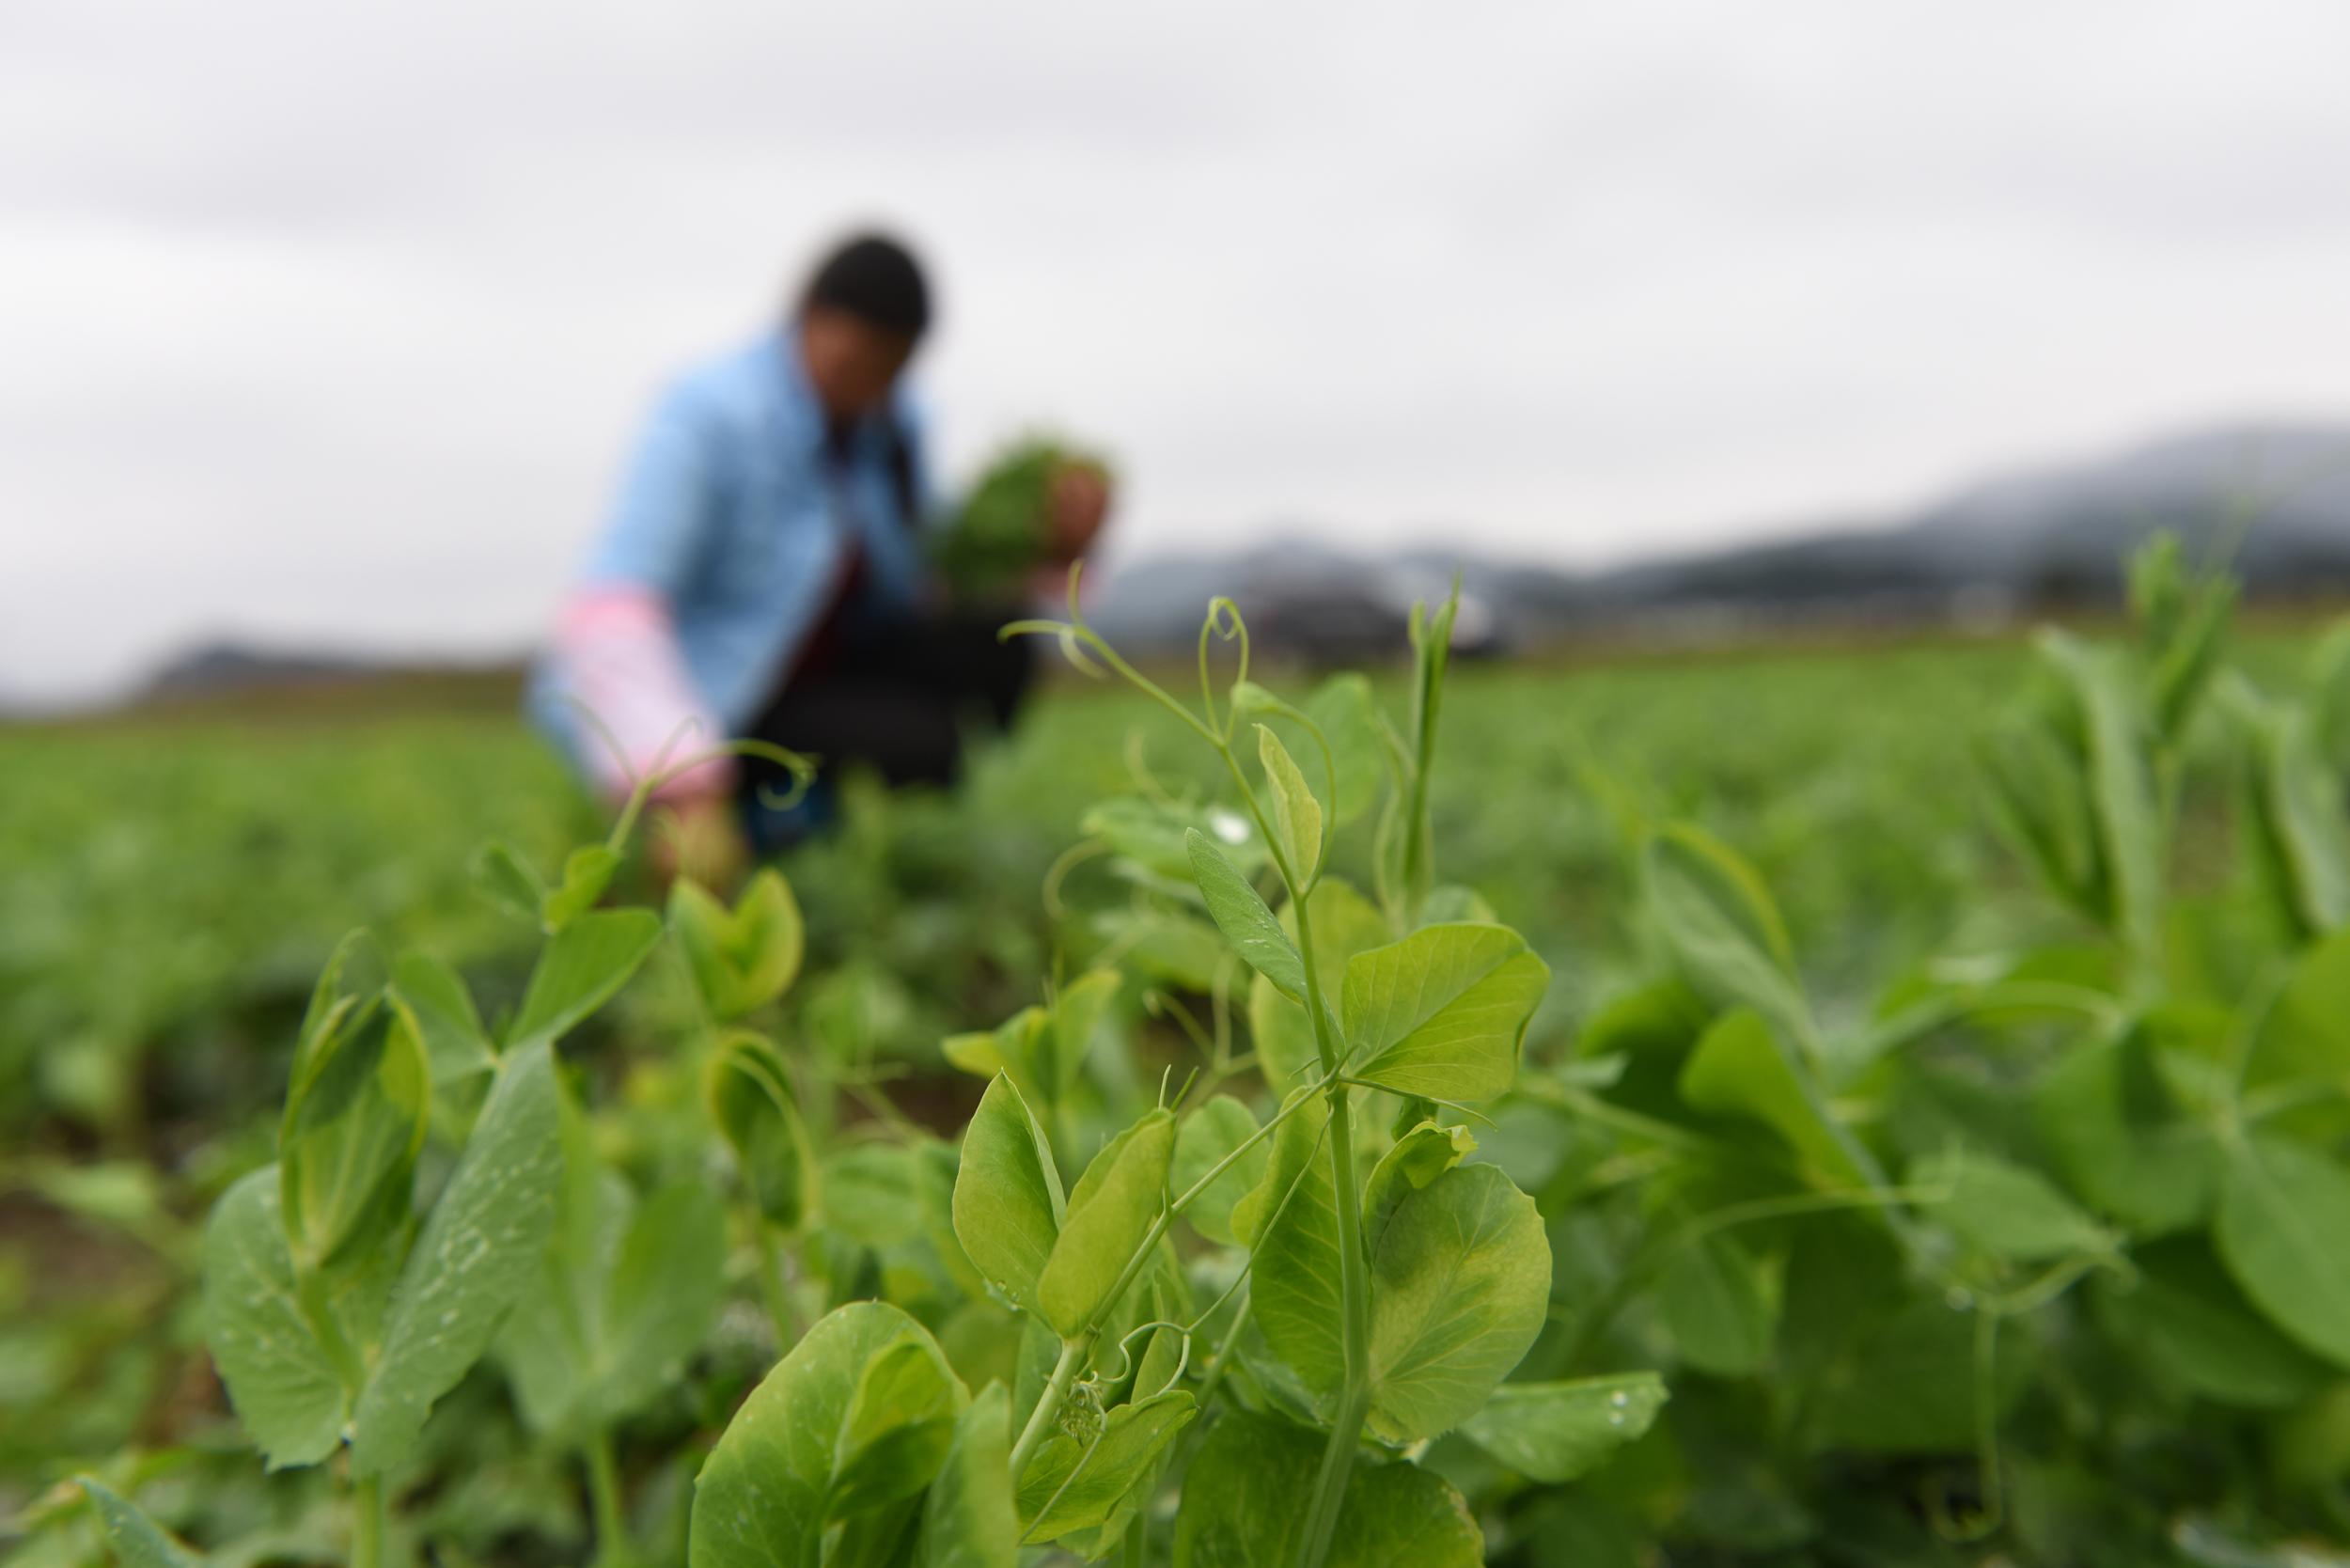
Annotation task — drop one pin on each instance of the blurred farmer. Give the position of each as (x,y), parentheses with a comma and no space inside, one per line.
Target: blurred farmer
(764,574)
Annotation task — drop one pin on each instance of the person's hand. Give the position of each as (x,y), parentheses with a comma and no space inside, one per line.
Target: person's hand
(700,839)
(1080,503)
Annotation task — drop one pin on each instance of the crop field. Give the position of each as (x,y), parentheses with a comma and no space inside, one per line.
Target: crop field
(1864,1104)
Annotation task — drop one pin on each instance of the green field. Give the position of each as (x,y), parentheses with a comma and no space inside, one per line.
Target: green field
(1971,1205)
(169,882)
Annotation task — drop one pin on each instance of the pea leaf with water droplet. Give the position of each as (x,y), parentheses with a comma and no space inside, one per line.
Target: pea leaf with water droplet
(479,1250)
(1554,1432)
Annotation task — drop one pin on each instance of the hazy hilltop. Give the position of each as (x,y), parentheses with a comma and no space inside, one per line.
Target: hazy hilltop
(2274,497)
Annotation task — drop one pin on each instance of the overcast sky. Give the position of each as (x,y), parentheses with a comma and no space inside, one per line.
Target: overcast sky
(330,324)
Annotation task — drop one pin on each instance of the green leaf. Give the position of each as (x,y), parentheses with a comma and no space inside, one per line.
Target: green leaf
(1460,1275)
(899,1424)
(2305,1036)
(1071,1486)
(1432,646)
(1345,923)
(2292,797)
(507,880)
(1442,1013)
(1554,1432)
(1171,948)
(587,873)
(1651,1031)
(353,1127)
(336,990)
(932,1166)
(282,1381)
(2116,725)
(660,1298)
(751,1100)
(2120,1137)
(2186,1317)
(480,1250)
(1109,1211)
(1150,833)
(1078,1013)
(1244,919)
(1243,1505)
(2284,1231)
(1017,1046)
(2004,1211)
(744,958)
(455,1042)
(1740,1068)
(1291,1225)
(1008,1194)
(969,1520)
(1042,1049)
(1350,720)
(1661,1018)
(547,1346)
(764,1495)
(2184,622)
(1206,1137)
(1450,904)
(1723,931)
(1296,815)
(127,1194)
(136,1540)
(1717,1306)
(1424,1153)
(871,1193)
(2038,794)
(582,967)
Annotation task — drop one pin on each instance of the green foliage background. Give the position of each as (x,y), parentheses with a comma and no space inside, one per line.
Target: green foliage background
(172,889)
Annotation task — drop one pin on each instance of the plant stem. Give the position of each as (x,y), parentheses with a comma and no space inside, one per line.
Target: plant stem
(1346,1427)
(367,1522)
(1138,1551)
(604,1489)
(1048,1403)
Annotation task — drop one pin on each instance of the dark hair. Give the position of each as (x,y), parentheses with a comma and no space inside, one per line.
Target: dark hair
(875,279)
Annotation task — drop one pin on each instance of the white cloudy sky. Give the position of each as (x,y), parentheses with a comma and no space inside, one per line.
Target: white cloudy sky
(329,322)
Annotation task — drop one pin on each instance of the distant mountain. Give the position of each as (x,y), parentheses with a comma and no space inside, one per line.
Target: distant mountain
(2273,498)
(295,681)
(2277,497)
(232,666)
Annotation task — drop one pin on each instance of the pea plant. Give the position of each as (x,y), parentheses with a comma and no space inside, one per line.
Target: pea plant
(340,1309)
(2052,1235)
(1376,1287)
(1262,1236)
(437,1194)
(1292,1304)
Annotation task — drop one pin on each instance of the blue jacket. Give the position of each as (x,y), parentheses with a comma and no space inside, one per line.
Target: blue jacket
(730,517)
